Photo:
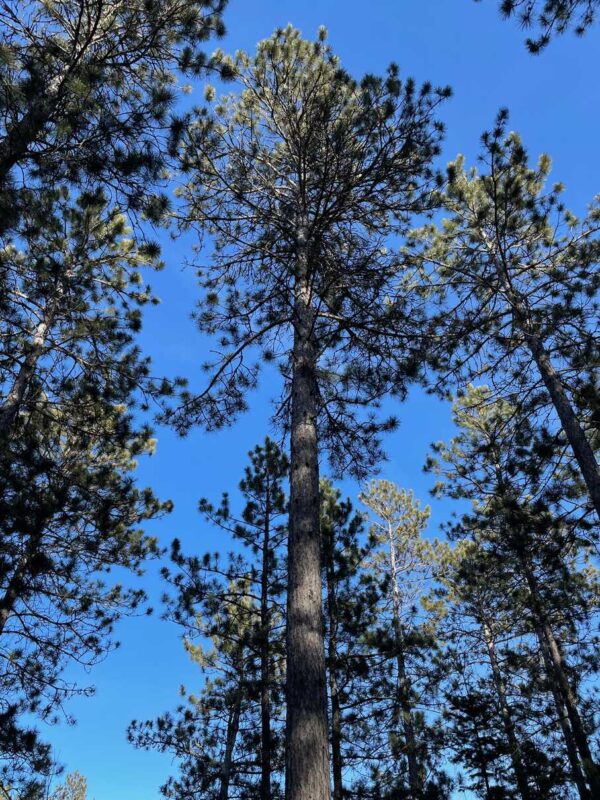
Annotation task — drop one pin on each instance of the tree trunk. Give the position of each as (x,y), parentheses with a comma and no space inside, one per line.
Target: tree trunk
(334,697)
(581,447)
(233,727)
(307,761)
(505,713)
(265,673)
(17,394)
(404,710)
(564,696)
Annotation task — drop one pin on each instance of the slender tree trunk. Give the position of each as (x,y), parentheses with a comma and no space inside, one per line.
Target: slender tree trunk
(334,696)
(12,592)
(565,697)
(581,447)
(233,727)
(307,758)
(505,713)
(14,587)
(17,394)
(415,778)
(265,676)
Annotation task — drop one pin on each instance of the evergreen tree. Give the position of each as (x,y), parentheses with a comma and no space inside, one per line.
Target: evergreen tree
(301,178)
(69,510)
(74,788)
(349,610)
(229,736)
(405,637)
(519,282)
(540,554)
(496,713)
(85,90)
(551,17)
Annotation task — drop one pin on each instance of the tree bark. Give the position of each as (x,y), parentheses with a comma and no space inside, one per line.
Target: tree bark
(581,447)
(565,698)
(233,727)
(334,697)
(265,673)
(17,394)
(415,777)
(505,713)
(307,757)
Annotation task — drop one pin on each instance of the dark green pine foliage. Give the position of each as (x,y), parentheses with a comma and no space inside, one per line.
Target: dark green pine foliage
(301,179)
(550,18)
(349,608)
(537,547)
(518,286)
(69,509)
(85,91)
(229,736)
(495,708)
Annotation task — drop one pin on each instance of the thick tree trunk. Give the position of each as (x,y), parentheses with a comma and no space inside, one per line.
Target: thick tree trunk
(565,698)
(307,761)
(233,727)
(404,705)
(505,713)
(334,696)
(265,673)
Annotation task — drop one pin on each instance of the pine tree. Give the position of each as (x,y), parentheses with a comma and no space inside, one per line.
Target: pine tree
(229,735)
(74,788)
(85,90)
(496,717)
(551,17)
(542,554)
(519,282)
(349,611)
(405,635)
(300,179)
(69,510)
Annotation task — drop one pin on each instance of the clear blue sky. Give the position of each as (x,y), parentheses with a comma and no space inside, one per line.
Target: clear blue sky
(554,101)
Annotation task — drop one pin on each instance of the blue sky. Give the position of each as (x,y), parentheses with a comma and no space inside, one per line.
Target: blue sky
(554,100)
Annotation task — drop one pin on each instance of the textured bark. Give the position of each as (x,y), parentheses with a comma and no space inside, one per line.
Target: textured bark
(334,697)
(233,727)
(17,581)
(17,394)
(265,674)
(404,705)
(581,447)
(307,761)
(585,770)
(505,713)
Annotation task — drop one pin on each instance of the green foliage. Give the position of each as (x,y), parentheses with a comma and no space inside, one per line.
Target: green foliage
(232,615)
(306,161)
(551,17)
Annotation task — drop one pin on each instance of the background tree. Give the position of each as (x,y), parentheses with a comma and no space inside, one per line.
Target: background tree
(300,178)
(70,375)
(349,610)
(519,283)
(74,788)
(404,635)
(228,737)
(85,91)
(541,555)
